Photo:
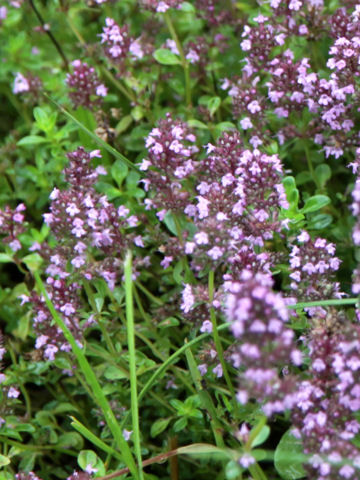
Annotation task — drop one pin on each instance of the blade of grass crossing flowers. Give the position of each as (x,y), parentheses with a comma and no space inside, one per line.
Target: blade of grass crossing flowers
(176,355)
(92,382)
(132,358)
(96,139)
(205,398)
(85,432)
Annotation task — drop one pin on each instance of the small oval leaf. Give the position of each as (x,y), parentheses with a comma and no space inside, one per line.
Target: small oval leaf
(315,203)
(289,457)
(166,57)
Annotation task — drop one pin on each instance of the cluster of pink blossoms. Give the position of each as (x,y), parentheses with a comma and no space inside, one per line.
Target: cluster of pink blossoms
(91,241)
(160,6)
(118,44)
(171,147)
(12,225)
(313,266)
(86,89)
(238,204)
(30,86)
(323,415)
(265,344)
(294,88)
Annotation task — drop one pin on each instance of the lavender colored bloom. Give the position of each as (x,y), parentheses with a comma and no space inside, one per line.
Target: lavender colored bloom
(86,88)
(252,308)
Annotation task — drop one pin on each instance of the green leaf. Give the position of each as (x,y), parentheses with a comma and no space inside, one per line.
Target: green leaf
(27,461)
(31,140)
(213,104)
(5,258)
(32,261)
(323,173)
(289,457)
(261,436)
(180,424)
(204,449)
(70,439)
(178,272)
(193,123)
(137,113)
(40,116)
(159,426)
(4,460)
(223,126)
(320,221)
(124,124)
(315,203)
(169,322)
(119,171)
(114,373)
(64,407)
(44,121)
(233,470)
(86,457)
(187,7)
(166,57)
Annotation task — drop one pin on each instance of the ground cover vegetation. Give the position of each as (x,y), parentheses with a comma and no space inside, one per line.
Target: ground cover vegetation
(179,221)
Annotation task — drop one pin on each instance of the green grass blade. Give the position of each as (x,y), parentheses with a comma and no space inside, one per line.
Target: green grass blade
(85,432)
(92,382)
(325,303)
(96,139)
(132,358)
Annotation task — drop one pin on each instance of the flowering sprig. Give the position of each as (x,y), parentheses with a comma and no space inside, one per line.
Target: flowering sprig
(86,88)
(90,242)
(171,147)
(12,224)
(313,265)
(323,413)
(265,344)
(119,45)
(238,205)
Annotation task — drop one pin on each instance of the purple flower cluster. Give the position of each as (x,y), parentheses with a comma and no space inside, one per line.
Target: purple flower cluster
(86,89)
(171,147)
(119,45)
(238,202)
(323,415)
(265,344)
(29,86)
(12,225)
(26,476)
(160,6)
(313,265)
(90,244)
(84,223)
(294,88)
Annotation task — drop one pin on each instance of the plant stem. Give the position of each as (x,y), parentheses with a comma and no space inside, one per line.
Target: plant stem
(310,166)
(75,30)
(128,94)
(184,62)
(49,34)
(149,294)
(20,383)
(324,303)
(206,399)
(157,459)
(132,359)
(216,336)
(91,298)
(92,382)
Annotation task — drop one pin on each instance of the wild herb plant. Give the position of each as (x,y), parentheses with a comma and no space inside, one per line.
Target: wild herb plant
(179,215)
